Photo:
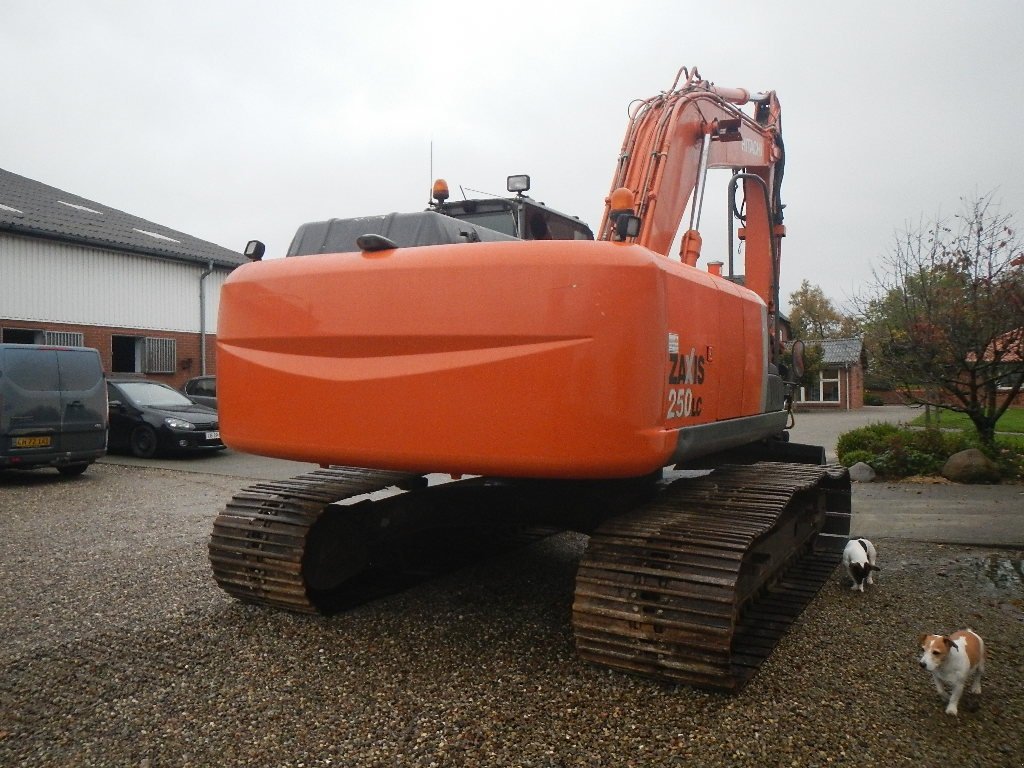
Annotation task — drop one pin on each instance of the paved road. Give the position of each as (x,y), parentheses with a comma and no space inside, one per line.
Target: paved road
(936,512)
(825,427)
(989,515)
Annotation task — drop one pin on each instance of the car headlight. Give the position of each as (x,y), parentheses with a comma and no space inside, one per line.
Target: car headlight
(179,424)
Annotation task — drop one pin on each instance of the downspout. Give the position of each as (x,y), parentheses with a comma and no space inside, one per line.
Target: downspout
(202,317)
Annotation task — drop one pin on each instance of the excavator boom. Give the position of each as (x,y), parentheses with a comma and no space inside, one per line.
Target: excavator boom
(671,142)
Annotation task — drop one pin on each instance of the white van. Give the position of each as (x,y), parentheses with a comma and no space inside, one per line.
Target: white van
(53,407)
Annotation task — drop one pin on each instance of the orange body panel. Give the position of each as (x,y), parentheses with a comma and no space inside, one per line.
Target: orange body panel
(539,359)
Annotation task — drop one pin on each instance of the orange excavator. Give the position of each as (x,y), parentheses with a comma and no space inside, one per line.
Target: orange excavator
(551,381)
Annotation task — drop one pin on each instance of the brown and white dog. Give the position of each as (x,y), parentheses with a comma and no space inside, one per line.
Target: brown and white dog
(859,558)
(954,661)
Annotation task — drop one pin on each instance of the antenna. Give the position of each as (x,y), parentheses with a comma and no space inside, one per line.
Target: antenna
(480,192)
(430,186)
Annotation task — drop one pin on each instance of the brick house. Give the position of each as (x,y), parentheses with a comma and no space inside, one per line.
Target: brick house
(840,383)
(77,272)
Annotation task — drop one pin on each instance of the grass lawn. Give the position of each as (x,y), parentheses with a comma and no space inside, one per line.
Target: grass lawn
(1011,421)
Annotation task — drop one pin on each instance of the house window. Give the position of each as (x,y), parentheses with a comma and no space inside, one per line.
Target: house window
(1007,374)
(828,389)
(828,385)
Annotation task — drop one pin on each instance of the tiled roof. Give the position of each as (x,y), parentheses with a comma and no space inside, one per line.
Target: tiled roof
(838,351)
(1009,346)
(34,209)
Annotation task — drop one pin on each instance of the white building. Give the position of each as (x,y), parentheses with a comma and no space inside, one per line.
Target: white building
(74,271)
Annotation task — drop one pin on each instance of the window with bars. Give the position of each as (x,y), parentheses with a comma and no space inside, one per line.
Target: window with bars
(159,355)
(64,338)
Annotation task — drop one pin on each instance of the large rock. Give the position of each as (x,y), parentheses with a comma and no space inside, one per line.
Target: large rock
(970,466)
(862,473)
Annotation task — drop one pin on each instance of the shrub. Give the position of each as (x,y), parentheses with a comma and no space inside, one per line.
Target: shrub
(1009,459)
(905,462)
(870,398)
(881,383)
(850,458)
(894,451)
(874,438)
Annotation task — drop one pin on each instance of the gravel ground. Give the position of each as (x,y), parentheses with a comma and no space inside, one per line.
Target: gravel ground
(116,648)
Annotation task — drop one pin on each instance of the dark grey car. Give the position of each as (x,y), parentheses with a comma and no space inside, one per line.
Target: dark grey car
(53,407)
(202,390)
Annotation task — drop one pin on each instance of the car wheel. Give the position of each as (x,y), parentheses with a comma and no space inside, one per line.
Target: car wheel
(72,470)
(143,442)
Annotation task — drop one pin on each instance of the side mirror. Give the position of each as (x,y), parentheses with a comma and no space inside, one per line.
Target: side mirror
(254,250)
(798,359)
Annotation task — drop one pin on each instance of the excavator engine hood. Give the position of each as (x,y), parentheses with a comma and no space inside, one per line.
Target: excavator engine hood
(540,359)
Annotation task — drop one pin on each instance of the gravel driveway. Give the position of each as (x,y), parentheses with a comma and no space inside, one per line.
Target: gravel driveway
(116,648)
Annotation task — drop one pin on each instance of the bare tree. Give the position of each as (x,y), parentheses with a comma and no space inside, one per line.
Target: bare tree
(944,314)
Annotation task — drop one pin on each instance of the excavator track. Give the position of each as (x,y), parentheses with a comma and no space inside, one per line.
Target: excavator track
(695,583)
(698,585)
(260,548)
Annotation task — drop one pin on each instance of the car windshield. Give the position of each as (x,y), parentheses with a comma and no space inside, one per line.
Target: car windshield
(153,394)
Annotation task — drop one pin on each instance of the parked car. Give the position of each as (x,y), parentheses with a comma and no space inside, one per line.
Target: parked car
(202,390)
(53,407)
(147,418)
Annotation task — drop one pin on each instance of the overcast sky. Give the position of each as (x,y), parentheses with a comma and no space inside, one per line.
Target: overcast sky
(239,120)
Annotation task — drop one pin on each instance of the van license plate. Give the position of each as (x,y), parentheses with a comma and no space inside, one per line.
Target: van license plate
(31,442)
(213,435)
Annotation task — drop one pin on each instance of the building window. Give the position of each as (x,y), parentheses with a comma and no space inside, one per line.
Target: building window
(21,336)
(125,354)
(64,338)
(142,354)
(829,389)
(160,355)
(829,385)
(1007,375)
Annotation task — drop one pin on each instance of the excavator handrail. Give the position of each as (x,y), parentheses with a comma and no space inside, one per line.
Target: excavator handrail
(773,243)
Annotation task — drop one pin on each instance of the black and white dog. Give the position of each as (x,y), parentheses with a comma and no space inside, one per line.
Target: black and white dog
(859,558)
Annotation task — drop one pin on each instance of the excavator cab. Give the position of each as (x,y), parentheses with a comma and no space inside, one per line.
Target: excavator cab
(520,216)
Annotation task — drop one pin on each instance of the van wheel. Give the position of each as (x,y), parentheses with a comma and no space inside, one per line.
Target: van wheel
(73,470)
(143,442)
